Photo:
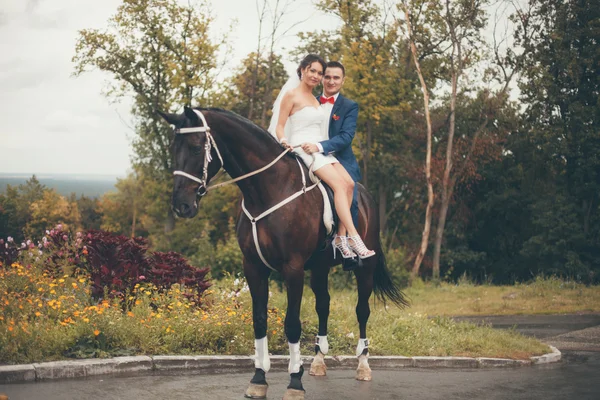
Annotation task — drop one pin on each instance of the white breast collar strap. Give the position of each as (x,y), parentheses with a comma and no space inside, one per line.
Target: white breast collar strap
(277,206)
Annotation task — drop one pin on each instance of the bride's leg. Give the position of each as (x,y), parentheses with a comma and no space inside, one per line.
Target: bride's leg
(340,188)
(350,182)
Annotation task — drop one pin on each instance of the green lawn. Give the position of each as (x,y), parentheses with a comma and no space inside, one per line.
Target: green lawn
(44,318)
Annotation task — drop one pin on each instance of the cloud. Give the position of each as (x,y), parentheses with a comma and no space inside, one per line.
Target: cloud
(32,5)
(52,122)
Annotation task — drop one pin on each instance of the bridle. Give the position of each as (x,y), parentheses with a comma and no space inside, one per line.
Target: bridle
(210,143)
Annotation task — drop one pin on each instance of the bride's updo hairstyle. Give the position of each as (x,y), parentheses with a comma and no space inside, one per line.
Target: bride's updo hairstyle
(308,60)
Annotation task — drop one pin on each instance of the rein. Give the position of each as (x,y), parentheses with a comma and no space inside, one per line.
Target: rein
(203,189)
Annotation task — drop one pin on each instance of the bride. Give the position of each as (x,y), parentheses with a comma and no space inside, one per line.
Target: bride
(298,119)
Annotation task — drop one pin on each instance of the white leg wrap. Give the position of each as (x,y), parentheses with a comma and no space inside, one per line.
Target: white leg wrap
(261,355)
(362,344)
(323,344)
(295,359)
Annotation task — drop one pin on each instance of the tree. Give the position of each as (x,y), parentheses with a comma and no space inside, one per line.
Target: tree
(451,35)
(15,207)
(52,209)
(122,210)
(248,87)
(563,119)
(89,208)
(411,35)
(161,53)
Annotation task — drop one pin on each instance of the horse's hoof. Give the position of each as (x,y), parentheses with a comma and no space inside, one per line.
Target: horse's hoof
(363,374)
(318,370)
(293,394)
(318,367)
(255,391)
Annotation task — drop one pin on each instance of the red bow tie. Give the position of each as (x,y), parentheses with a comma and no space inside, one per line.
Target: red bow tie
(327,100)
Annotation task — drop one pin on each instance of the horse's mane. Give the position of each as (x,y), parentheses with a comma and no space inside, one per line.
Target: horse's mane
(245,122)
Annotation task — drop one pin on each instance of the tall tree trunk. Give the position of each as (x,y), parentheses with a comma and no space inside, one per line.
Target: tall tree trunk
(382,208)
(446,186)
(587,212)
(267,100)
(430,196)
(170,221)
(134,218)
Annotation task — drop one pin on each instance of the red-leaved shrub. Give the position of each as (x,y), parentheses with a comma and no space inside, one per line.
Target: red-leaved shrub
(118,263)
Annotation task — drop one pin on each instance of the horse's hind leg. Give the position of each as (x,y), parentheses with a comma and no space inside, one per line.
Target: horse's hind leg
(294,280)
(258,282)
(364,280)
(319,285)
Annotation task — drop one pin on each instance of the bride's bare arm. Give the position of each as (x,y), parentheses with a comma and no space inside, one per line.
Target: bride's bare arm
(287,103)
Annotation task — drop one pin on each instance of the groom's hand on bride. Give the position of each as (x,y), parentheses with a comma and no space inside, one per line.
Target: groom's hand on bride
(310,148)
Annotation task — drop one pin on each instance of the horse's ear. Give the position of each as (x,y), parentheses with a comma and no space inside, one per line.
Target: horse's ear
(173,119)
(190,114)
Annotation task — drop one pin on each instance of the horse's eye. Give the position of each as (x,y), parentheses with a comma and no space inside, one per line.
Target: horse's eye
(197,150)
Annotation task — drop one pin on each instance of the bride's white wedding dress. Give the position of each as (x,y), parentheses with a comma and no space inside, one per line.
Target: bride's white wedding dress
(306,125)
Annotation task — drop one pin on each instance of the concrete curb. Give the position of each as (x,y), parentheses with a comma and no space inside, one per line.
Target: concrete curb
(220,364)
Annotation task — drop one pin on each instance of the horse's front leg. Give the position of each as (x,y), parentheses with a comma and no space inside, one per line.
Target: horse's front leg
(364,280)
(319,285)
(294,280)
(258,281)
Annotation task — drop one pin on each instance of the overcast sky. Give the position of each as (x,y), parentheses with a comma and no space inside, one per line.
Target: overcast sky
(53,123)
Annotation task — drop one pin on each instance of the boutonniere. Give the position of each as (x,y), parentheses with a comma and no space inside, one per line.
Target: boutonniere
(336,117)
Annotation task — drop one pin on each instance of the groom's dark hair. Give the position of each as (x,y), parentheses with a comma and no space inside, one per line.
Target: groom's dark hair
(337,64)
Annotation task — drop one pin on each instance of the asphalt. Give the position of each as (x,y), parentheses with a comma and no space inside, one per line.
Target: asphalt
(575,377)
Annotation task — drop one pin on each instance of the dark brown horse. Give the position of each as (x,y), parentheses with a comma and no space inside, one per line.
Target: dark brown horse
(289,240)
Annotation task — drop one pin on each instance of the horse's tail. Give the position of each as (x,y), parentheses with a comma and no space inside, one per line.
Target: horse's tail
(385,288)
(383,285)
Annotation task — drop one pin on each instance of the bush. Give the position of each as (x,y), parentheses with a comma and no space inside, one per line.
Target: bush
(114,263)
(117,263)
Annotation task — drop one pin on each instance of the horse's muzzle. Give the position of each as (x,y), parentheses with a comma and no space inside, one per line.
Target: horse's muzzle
(184,210)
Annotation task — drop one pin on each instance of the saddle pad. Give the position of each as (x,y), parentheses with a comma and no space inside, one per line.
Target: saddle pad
(327,210)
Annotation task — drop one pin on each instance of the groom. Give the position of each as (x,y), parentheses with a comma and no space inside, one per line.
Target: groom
(342,126)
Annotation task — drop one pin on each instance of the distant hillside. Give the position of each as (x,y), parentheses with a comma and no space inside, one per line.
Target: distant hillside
(65,184)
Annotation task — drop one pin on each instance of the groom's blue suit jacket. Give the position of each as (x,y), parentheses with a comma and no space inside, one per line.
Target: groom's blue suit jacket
(342,127)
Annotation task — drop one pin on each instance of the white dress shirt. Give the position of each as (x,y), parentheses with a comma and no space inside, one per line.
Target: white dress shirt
(328,107)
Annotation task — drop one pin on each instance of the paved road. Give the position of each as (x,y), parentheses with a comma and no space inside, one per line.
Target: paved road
(576,377)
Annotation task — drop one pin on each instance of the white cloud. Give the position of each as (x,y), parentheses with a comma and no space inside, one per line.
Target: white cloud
(51,122)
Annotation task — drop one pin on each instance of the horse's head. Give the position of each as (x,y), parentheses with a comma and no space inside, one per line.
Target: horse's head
(193,149)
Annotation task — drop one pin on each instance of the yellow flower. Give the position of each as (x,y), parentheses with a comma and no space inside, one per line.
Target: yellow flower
(37,313)
(96,332)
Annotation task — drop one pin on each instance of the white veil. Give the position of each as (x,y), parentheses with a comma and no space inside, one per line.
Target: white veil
(292,83)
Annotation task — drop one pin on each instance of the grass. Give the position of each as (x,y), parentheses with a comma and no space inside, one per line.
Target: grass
(393,331)
(44,318)
(542,296)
